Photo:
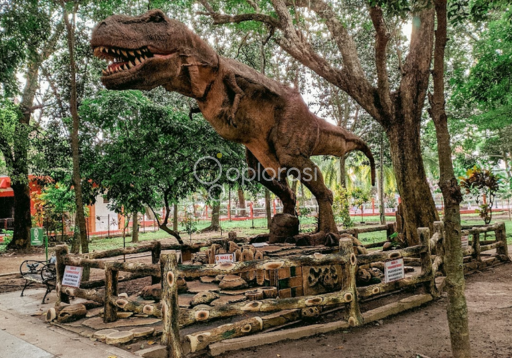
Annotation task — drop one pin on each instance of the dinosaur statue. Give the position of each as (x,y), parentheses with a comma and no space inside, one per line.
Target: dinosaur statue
(270,119)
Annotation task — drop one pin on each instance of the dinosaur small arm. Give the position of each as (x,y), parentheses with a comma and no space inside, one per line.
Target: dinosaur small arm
(270,119)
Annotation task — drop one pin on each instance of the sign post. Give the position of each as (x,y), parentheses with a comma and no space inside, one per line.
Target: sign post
(394,270)
(72,276)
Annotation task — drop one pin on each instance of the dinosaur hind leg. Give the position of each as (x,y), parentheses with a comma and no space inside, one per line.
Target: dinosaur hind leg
(311,176)
(278,187)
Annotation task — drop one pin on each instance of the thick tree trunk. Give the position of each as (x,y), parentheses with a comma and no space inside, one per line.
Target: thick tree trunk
(457,308)
(418,204)
(241,202)
(216,217)
(343,171)
(382,206)
(135,228)
(22,219)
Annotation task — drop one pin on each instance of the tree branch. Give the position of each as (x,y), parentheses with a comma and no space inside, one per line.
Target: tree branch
(381,42)
(219,19)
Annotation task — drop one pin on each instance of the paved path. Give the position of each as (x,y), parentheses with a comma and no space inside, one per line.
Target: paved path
(24,335)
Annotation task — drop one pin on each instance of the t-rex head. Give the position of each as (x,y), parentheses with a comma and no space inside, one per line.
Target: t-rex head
(152,50)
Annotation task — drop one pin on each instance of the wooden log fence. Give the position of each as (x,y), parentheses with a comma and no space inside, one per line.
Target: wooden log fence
(165,269)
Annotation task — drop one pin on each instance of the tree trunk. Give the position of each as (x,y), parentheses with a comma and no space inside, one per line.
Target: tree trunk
(418,204)
(77,180)
(22,219)
(216,217)
(175,217)
(241,202)
(343,171)
(215,223)
(135,228)
(457,309)
(268,208)
(382,207)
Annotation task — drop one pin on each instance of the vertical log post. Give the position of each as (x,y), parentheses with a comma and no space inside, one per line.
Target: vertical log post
(111,277)
(60,252)
(426,261)
(349,271)
(501,235)
(439,249)
(170,308)
(476,246)
(390,229)
(155,259)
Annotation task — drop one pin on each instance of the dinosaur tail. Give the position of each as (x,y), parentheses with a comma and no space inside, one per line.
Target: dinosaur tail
(363,147)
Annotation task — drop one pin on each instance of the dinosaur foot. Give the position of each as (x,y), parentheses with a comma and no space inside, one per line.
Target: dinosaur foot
(319,238)
(282,227)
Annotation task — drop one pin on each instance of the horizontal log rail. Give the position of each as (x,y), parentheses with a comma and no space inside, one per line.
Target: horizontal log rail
(191,271)
(203,314)
(389,255)
(380,288)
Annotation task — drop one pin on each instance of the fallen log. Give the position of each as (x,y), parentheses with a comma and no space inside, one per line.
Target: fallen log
(379,288)
(200,340)
(92,295)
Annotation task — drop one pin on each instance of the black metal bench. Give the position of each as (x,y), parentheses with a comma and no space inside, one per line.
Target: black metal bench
(40,272)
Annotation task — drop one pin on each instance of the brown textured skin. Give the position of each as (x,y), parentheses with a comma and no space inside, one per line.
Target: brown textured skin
(243,106)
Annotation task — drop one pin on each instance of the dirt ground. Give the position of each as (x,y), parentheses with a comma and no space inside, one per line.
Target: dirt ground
(421,331)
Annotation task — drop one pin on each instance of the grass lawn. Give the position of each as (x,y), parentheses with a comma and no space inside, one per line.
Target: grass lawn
(245,228)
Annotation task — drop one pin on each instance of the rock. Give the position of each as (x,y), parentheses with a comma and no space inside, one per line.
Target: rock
(142,331)
(233,247)
(363,276)
(260,238)
(282,227)
(94,312)
(375,272)
(119,337)
(197,286)
(254,295)
(203,298)
(232,282)
(208,279)
(124,314)
(102,334)
(152,292)
(387,246)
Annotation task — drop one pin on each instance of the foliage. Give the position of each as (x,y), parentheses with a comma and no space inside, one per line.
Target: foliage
(189,223)
(479,182)
(341,206)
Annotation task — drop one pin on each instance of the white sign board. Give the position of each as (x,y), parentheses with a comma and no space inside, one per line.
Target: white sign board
(260,244)
(222,258)
(72,276)
(394,270)
(464,241)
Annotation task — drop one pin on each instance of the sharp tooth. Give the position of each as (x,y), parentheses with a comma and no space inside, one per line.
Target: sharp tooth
(124,67)
(131,53)
(104,73)
(138,52)
(130,64)
(137,61)
(124,53)
(101,48)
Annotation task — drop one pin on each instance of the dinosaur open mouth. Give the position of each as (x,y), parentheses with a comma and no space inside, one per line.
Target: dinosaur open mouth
(120,59)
